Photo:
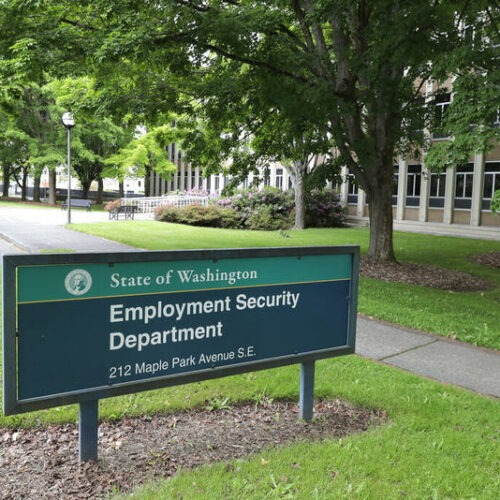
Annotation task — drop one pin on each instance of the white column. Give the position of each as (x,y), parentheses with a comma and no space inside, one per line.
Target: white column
(181,168)
(449,195)
(360,211)
(477,190)
(402,187)
(189,173)
(425,188)
(344,187)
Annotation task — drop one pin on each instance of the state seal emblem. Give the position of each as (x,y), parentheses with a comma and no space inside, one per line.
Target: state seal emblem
(78,282)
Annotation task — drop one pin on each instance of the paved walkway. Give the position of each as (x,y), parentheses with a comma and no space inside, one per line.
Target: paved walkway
(26,230)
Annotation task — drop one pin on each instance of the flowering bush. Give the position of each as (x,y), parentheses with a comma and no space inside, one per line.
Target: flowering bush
(112,205)
(267,209)
(197,191)
(323,209)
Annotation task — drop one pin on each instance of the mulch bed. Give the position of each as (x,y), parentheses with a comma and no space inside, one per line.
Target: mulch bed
(42,463)
(431,276)
(490,259)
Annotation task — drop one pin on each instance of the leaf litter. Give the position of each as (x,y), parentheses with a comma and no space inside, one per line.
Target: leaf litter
(42,462)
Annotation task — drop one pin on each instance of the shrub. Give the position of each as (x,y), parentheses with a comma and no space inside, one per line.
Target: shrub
(267,209)
(112,205)
(323,209)
(495,202)
(197,215)
(267,219)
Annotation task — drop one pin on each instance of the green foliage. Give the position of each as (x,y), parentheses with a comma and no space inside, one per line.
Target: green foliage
(495,202)
(272,76)
(269,209)
(197,215)
(323,209)
(266,218)
(146,151)
(266,209)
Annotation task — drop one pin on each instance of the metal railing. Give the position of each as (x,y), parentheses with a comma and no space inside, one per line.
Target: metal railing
(150,204)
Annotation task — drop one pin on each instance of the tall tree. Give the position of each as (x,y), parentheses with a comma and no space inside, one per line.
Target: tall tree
(96,135)
(353,66)
(145,153)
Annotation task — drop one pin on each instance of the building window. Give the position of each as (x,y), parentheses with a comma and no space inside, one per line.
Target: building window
(279,178)
(437,190)
(352,190)
(395,186)
(463,186)
(413,185)
(491,182)
(267,177)
(441,103)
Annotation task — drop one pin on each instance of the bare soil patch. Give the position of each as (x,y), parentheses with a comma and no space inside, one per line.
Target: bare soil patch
(429,276)
(42,463)
(490,259)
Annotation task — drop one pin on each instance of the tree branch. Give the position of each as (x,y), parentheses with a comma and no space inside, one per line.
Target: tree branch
(257,63)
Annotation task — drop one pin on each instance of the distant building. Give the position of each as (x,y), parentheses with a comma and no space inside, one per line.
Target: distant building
(458,195)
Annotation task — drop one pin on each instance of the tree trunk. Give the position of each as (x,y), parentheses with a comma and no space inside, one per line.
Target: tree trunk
(52,186)
(120,189)
(298,181)
(380,214)
(36,188)
(24,184)
(147,181)
(85,188)
(100,190)
(6,180)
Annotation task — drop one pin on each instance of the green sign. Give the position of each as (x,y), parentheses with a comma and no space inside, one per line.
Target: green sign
(80,326)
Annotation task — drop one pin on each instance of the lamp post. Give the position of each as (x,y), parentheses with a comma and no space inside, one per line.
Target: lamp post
(69,122)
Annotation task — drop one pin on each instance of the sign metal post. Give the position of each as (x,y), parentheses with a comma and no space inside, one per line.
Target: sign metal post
(306,396)
(88,423)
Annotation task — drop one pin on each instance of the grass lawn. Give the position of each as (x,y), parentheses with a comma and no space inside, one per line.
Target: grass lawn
(471,317)
(440,441)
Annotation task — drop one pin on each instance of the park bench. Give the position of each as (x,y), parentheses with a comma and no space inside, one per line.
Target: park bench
(77,203)
(127,211)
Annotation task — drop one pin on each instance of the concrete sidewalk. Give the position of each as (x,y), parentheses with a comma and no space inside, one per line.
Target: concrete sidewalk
(30,230)
(26,230)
